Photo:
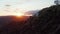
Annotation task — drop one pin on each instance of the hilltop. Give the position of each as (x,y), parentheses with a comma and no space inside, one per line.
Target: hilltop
(47,22)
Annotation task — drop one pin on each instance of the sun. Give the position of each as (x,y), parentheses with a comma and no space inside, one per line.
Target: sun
(18,14)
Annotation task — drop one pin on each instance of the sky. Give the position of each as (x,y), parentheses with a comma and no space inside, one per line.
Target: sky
(10,7)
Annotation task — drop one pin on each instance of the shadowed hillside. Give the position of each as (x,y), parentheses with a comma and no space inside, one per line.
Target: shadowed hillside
(9,24)
(47,22)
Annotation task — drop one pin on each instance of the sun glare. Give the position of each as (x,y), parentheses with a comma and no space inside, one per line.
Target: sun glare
(18,14)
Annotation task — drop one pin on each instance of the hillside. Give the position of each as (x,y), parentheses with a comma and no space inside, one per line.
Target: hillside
(47,22)
(5,20)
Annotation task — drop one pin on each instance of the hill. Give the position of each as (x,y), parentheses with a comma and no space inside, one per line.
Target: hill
(4,20)
(47,22)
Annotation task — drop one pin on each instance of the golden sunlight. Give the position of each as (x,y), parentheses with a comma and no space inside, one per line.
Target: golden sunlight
(18,14)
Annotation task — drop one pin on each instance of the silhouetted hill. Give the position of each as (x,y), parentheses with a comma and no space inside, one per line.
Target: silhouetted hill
(8,19)
(12,24)
(47,22)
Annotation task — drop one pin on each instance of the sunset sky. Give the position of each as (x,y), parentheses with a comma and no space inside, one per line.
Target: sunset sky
(10,7)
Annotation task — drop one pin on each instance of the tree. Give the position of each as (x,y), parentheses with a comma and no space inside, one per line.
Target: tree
(57,2)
